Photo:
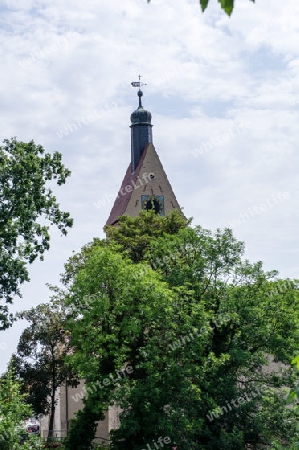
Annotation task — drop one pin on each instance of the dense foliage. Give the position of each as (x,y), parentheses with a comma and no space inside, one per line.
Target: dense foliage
(13,411)
(172,325)
(40,358)
(27,204)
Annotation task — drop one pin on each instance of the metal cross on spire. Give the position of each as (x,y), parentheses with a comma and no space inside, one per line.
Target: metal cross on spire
(139,84)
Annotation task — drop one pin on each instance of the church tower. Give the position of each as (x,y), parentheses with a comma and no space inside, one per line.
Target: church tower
(145,185)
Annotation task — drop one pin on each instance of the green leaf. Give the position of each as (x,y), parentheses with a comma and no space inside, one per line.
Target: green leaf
(227,6)
(296,361)
(293,395)
(204,4)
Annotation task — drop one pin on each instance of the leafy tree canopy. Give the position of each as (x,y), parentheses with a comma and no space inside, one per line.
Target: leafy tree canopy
(176,328)
(135,235)
(40,358)
(13,412)
(27,204)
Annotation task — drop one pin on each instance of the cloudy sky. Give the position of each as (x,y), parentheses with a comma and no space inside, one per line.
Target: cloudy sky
(224,98)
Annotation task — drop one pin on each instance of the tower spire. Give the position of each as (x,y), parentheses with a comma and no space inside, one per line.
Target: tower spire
(141,128)
(140,94)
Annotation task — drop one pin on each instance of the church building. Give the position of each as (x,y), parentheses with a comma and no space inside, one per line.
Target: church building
(145,186)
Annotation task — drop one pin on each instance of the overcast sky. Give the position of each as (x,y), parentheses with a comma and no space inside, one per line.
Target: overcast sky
(224,98)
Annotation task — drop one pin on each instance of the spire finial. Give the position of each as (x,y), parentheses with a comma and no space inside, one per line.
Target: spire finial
(139,93)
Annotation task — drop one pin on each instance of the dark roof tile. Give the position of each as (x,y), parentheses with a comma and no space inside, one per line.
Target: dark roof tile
(122,200)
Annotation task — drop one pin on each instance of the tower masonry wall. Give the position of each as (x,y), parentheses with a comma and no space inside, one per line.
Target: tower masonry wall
(158,185)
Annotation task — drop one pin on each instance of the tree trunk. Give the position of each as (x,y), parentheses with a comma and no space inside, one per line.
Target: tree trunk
(52,414)
(52,410)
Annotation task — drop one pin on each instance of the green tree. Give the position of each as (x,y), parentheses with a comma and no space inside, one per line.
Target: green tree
(26,205)
(135,236)
(83,428)
(40,358)
(226,5)
(13,411)
(177,329)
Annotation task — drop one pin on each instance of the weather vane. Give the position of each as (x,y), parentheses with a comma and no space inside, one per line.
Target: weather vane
(138,83)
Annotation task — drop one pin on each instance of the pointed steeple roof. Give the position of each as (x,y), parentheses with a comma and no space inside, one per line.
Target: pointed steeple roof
(123,197)
(149,180)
